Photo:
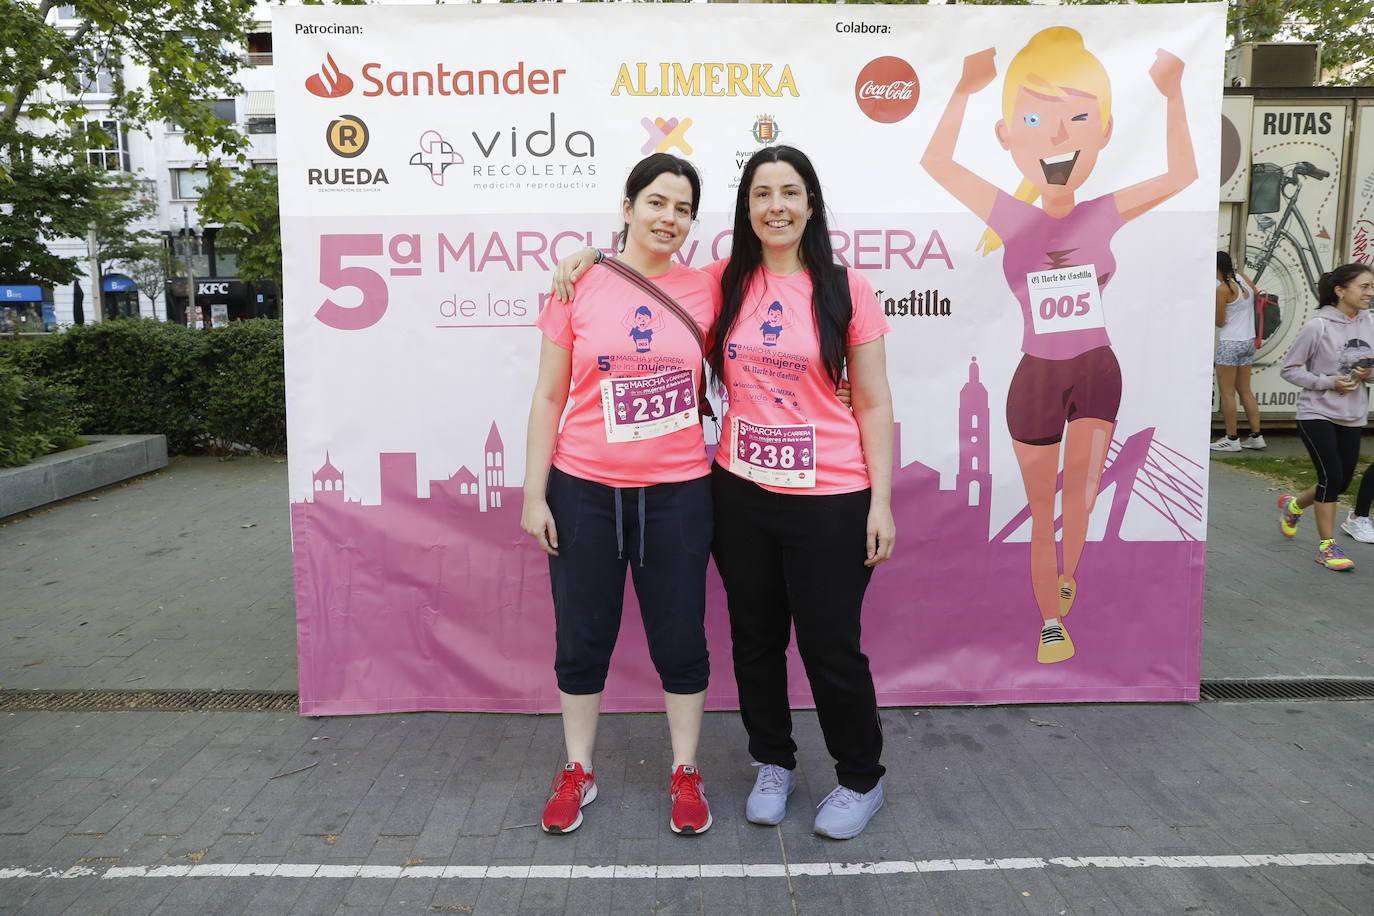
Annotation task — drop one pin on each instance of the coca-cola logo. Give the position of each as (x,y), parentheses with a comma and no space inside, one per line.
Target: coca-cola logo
(330,82)
(887,89)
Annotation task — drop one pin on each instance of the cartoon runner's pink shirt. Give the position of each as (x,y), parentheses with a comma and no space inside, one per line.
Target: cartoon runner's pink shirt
(1058,267)
(775,379)
(616,331)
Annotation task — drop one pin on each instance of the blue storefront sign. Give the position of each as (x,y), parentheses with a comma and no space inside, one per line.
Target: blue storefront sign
(24,307)
(16,293)
(118,283)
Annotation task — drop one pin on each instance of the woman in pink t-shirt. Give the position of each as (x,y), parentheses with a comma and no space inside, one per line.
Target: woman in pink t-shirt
(626,481)
(801,483)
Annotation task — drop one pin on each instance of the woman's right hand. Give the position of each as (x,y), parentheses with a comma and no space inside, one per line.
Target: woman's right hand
(537,521)
(979,70)
(568,270)
(1345,384)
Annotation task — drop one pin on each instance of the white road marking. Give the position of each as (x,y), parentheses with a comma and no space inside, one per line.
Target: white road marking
(654,872)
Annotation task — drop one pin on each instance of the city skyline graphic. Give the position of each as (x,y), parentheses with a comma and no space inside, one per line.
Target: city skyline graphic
(442,602)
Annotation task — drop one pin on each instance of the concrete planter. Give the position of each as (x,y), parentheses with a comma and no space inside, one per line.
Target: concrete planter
(106,460)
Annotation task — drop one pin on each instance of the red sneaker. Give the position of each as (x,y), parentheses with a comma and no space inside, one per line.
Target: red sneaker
(691,812)
(573,787)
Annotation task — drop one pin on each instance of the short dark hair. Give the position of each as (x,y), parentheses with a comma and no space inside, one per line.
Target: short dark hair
(1339,277)
(649,168)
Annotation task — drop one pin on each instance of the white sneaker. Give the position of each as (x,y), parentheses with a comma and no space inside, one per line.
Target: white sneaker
(767,803)
(1359,528)
(1255,441)
(1226,444)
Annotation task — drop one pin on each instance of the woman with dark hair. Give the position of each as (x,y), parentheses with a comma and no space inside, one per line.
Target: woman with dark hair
(1330,361)
(626,481)
(1235,304)
(802,483)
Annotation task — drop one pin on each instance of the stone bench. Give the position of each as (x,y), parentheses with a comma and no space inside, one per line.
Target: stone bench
(105,460)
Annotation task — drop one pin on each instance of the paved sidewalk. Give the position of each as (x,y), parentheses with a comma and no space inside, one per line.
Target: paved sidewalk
(1050,809)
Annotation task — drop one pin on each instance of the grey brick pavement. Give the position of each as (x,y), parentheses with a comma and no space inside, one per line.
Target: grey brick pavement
(158,584)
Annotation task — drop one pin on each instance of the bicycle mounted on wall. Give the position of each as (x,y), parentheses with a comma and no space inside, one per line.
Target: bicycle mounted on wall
(1270,185)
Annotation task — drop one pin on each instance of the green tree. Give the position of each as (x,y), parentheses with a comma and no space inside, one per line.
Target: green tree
(245,203)
(151,270)
(50,190)
(1345,29)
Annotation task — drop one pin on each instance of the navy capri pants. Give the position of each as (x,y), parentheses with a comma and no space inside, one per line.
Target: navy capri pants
(663,532)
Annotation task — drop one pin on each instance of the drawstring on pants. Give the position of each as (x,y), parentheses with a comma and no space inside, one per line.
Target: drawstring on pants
(620,526)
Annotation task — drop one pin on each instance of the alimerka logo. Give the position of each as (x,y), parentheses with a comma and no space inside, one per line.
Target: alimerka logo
(708,79)
(330,82)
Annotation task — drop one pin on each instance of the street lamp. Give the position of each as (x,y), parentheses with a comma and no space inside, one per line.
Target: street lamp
(188,241)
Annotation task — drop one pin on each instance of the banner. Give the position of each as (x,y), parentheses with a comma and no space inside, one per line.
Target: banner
(1361,219)
(437,161)
(1294,203)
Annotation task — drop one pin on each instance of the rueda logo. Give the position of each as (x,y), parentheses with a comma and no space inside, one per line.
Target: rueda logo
(347,136)
(436,155)
(664,134)
(887,89)
(330,82)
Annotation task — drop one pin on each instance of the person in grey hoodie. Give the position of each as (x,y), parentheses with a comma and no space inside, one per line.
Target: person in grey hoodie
(1330,361)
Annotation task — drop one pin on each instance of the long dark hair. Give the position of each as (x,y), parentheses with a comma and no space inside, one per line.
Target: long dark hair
(1224,265)
(830,305)
(1341,276)
(649,168)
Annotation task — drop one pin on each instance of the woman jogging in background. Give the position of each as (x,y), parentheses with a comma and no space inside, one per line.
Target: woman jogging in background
(626,481)
(1235,302)
(1330,361)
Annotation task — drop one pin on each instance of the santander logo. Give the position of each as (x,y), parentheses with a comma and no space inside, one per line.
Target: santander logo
(330,82)
(887,89)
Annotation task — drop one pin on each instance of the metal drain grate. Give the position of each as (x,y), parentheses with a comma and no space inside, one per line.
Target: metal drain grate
(1353,688)
(149,700)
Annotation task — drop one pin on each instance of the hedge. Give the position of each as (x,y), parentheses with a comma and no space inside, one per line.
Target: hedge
(36,417)
(221,388)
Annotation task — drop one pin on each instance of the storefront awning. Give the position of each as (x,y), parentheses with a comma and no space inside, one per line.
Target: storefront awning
(18,293)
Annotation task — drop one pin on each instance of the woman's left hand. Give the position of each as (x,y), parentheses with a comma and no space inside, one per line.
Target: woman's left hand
(845,394)
(882,534)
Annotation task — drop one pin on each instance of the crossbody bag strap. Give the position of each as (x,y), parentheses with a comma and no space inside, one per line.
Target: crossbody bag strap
(635,278)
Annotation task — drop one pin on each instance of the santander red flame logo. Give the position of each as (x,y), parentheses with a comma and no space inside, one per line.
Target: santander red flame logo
(330,82)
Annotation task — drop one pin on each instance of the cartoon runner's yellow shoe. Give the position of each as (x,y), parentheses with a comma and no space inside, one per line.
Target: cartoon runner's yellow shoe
(1055,644)
(1068,590)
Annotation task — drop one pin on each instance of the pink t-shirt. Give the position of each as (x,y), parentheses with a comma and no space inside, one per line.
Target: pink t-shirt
(774,378)
(616,331)
(1069,261)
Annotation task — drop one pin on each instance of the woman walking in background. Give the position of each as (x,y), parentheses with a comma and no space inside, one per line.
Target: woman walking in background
(1330,361)
(1235,302)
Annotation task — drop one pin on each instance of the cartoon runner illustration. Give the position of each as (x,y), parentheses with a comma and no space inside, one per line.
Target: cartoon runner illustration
(1056,120)
(774,320)
(642,323)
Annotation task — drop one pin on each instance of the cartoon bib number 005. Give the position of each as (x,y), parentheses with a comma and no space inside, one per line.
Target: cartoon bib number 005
(648,407)
(1065,299)
(780,456)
